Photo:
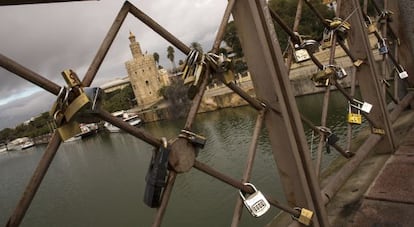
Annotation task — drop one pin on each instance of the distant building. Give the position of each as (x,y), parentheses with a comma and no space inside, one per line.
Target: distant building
(143,73)
(116,84)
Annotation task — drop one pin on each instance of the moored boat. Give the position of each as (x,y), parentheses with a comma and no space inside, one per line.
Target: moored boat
(131,118)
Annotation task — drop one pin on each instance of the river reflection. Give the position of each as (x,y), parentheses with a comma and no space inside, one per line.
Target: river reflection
(100,181)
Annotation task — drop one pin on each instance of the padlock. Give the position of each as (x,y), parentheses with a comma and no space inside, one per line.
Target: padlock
(372,28)
(354,118)
(228,76)
(76,105)
(301,55)
(197,140)
(378,131)
(255,203)
(382,47)
(305,216)
(69,130)
(340,72)
(71,78)
(327,39)
(156,175)
(403,74)
(88,113)
(358,63)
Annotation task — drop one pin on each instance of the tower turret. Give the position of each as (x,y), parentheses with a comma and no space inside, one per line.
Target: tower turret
(134,46)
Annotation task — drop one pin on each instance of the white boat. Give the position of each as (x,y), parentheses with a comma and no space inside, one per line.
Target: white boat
(28,144)
(86,131)
(20,144)
(130,118)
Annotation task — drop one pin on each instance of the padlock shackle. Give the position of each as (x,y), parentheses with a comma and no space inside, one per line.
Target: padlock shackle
(247,184)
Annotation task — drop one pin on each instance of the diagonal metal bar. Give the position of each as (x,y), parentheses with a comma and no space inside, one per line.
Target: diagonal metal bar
(349,127)
(106,44)
(339,179)
(34,183)
(249,165)
(165,199)
(324,116)
(239,185)
(317,13)
(27,74)
(137,132)
(157,28)
(197,100)
(351,99)
(223,24)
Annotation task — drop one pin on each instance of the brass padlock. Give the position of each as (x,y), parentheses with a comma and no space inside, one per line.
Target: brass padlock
(305,216)
(71,78)
(358,63)
(69,130)
(372,28)
(354,118)
(255,203)
(76,105)
(378,131)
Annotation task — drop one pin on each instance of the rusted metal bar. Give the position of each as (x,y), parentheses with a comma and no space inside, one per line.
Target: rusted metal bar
(295,28)
(223,24)
(317,13)
(346,49)
(139,133)
(249,99)
(322,137)
(27,74)
(295,39)
(351,99)
(249,166)
(34,183)
(158,28)
(340,178)
(197,100)
(405,55)
(106,44)
(272,85)
(349,126)
(165,199)
(239,185)
(367,74)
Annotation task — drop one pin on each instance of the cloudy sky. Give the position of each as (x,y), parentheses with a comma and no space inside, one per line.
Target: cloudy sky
(48,38)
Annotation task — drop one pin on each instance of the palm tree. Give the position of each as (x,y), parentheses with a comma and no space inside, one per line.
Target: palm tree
(170,55)
(156,58)
(197,46)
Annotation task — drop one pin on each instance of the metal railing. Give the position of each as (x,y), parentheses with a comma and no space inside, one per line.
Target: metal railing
(277,110)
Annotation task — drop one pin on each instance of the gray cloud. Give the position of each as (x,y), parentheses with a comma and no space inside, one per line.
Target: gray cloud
(48,38)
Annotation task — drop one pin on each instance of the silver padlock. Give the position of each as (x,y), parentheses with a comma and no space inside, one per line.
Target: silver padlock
(256,203)
(382,47)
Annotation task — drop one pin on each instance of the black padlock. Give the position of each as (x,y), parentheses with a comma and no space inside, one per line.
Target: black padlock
(156,176)
(331,139)
(195,139)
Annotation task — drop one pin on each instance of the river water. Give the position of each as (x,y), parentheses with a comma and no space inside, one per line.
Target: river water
(100,181)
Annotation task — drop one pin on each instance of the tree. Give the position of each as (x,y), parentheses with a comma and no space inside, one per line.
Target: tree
(197,46)
(310,26)
(156,58)
(170,55)
(177,96)
(231,38)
